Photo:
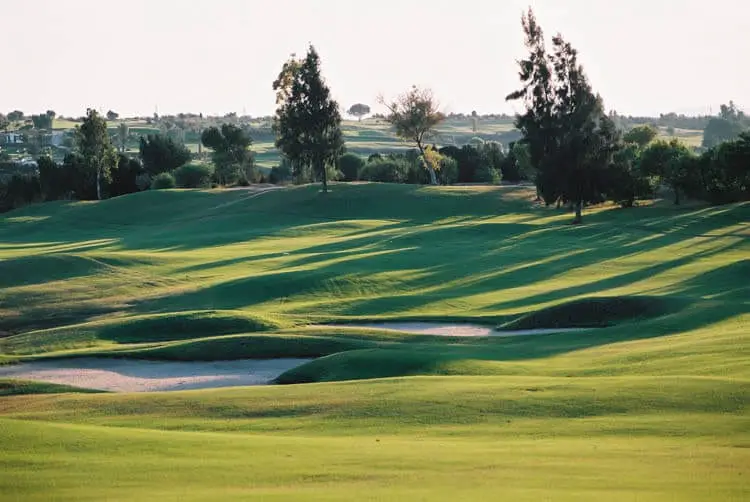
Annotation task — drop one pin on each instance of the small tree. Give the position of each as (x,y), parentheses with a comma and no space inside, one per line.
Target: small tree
(307,122)
(94,146)
(641,135)
(41,121)
(719,130)
(667,160)
(162,154)
(15,115)
(231,156)
(125,176)
(350,164)
(415,114)
(474,121)
(112,115)
(359,110)
(123,131)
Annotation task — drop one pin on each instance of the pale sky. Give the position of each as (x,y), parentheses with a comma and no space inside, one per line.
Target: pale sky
(644,56)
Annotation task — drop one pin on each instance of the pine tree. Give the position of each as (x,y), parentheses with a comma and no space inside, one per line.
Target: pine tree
(570,137)
(308,121)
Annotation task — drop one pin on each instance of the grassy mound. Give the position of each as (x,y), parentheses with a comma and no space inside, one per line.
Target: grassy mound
(361,364)
(236,347)
(135,330)
(13,387)
(594,313)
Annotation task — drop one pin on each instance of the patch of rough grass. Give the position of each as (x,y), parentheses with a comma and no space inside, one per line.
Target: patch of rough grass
(594,313)
(13,387)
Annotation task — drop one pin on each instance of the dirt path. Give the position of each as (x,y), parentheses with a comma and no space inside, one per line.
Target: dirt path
(127,375)
(447,329)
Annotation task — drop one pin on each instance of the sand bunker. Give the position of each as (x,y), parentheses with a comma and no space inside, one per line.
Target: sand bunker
(128,375)
(446,329)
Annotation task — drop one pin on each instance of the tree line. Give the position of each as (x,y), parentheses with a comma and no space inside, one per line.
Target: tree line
(573,151)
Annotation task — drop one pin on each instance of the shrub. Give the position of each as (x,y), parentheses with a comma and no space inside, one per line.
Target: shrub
(487,174)
(143,181)
(125,177)
(386,171)
(194,176)
(163,181)
(19,190)
(448,170)
(162,154)
(281,173)
(350,165)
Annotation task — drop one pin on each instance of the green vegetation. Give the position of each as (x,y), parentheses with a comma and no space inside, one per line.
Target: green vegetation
(656,402)
(11,387)
(646,398)
(595,312)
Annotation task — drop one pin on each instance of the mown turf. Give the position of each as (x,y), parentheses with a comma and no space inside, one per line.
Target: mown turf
(453,438)
(653,406)
(14,387)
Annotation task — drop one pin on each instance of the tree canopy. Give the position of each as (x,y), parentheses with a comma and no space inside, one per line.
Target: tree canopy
(641,135)
(415,114)
(307,122)
(15,115)
(42,121)
(162,154)
(359,110)
(570,138)
(231,156)
(95,149)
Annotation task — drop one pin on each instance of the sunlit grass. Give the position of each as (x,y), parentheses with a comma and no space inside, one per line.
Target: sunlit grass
(653,406)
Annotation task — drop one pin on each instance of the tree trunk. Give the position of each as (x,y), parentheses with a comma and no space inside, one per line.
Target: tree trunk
(433,178)
(676,196)
(322,167)
(99,184)
(579,218)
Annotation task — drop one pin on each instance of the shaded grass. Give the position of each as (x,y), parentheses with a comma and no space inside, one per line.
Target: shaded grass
(140,329)
(246,347)
(14,387)
(594,312)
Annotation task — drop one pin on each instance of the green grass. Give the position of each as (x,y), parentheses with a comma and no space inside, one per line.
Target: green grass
(594,312)
(13,387)
(424,438)
(651,406)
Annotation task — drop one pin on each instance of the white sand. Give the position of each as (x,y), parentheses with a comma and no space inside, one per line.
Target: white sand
(447,329)
(128,375)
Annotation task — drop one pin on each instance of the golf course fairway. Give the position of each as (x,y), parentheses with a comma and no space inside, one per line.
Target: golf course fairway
(637,390)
